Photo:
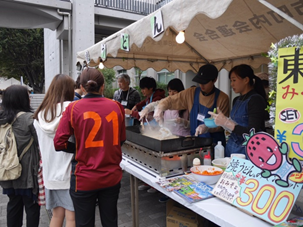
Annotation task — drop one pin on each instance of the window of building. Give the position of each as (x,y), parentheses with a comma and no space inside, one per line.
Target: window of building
(164,76)
(121,71)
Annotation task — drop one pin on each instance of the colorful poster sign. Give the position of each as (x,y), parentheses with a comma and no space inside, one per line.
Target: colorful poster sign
(264,185)
(157,24)
(125,42)
(289,108)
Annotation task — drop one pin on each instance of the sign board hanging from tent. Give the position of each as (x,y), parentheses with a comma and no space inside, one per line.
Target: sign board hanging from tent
(103,52)
(125,42)
(157,24)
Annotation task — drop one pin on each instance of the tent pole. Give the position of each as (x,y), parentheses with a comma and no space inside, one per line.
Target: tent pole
(282,14)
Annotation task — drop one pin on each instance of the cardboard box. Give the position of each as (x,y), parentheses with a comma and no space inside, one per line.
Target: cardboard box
(178,216)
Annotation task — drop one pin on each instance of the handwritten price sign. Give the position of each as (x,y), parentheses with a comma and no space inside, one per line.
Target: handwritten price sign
(243,186)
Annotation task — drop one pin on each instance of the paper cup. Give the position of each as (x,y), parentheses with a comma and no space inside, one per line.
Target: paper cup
(238,156)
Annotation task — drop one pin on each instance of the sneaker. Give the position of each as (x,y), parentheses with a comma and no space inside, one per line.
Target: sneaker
(163,199)
(151,190)
(143,187)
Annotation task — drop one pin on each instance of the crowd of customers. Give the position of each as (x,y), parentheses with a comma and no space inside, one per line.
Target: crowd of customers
(75,136)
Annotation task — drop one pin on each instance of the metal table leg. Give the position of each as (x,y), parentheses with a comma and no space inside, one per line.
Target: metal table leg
(134,200)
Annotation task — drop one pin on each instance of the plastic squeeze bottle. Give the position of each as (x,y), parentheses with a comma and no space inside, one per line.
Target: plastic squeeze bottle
(207,159)
(219,150)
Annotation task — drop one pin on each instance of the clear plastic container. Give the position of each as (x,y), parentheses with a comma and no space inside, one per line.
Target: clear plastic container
(219,150)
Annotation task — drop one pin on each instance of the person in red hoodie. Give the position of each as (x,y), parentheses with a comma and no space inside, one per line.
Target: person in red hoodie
(98,125)
(149,90)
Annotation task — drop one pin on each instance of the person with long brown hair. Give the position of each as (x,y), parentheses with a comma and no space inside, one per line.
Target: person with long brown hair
(98,124)
(56,165)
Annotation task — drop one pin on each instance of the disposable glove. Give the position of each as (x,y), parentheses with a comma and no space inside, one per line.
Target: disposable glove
(182,121)
(147,109)
(221,120)
(158,113)
(201,129)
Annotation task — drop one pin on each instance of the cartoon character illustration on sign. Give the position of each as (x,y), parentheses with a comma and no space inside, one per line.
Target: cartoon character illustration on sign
(265,153)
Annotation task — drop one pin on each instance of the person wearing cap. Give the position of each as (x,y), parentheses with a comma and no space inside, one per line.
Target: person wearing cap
(126,95)
(199,100)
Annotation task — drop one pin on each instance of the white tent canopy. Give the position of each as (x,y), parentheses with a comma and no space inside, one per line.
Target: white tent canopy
(222,32)
(12,81)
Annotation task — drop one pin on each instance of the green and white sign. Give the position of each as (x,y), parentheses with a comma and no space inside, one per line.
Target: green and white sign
(125,42)
(103,52)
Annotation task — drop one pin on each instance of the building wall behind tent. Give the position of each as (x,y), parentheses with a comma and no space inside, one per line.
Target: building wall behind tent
(222,83)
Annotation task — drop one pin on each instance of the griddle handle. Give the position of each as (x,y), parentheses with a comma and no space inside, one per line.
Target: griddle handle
(188,142)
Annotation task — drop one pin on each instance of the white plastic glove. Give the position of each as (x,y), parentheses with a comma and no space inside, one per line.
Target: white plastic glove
(222,120)
(182,121)
(147,109)
(158,113)
(201,129)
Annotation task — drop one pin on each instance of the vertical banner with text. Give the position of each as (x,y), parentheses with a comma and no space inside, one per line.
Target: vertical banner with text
(103,51)
(125,42)
(157,24)
(289,108)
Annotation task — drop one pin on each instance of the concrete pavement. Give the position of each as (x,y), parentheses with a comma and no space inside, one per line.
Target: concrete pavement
(152,213)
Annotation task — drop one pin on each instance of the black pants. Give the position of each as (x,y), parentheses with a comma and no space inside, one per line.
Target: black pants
(85,205)
(15,211)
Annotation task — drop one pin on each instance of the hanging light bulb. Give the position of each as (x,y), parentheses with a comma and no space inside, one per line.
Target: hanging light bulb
(180,38)
(101,66)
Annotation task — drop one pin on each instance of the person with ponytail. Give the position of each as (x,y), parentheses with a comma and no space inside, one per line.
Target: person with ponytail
(248,109)
(98,125)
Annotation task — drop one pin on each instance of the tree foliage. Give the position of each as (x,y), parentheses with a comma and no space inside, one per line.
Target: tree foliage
(109,76)
(22,54)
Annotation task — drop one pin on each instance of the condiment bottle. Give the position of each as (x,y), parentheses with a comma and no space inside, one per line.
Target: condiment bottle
(207,159)
(219,150)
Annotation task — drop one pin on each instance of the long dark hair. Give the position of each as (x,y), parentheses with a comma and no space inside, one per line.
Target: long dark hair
(176,85)
(14,99)
(254,81)
(60,90)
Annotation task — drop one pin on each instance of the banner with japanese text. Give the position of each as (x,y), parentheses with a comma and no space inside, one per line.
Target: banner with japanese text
(243,186)
(267,184)
(289,108)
